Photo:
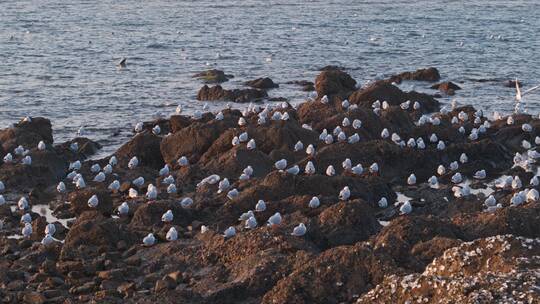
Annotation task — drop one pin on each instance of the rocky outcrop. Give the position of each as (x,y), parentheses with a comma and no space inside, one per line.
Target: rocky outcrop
(217,93)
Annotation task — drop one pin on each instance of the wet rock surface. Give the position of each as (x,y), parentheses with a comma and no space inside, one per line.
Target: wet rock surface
(341,221)
(217,93)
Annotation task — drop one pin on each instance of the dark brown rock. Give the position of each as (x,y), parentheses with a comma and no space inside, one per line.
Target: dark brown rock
(217,93)
(262,83)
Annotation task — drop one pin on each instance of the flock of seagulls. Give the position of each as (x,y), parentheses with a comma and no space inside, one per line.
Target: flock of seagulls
(337,135)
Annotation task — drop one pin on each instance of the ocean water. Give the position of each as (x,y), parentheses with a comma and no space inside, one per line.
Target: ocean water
(58,58)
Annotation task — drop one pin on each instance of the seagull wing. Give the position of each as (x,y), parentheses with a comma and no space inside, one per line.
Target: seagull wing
(518,91)
(531,90)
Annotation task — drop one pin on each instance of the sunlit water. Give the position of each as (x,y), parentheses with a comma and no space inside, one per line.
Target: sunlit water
(58,58)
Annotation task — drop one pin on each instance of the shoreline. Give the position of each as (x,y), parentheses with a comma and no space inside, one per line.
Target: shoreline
(379,141)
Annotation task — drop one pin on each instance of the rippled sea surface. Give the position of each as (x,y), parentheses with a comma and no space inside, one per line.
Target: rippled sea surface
(58,58)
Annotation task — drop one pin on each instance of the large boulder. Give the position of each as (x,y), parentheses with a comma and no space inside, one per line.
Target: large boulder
(93,234)
(262,83)
(213,76)
(216,93)
(79,200)
(334,82)
(384,91)
(27,133)
(429,74)
(146,147)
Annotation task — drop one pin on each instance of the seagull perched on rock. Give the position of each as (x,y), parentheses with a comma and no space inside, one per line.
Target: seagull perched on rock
(330,171)
(151,192)
(183,161)
(149,240)
(294,170)
(123,209)
(133,162)
(456,178)
(172,235)
(480,174)
(8,158)
(411,180)
(47,240)
(383,202)
(251,144)
(298,146)
(100,177)
(260,206)
(164,171)
(156,130)
(186,202)
(281,164)
(251,223)
(223,185)
(310,168)
(406,208)
(27,230)
(299,230)
(93,201)
(50,229)
(167,217)
(229,232)
(314,202)
(22,203)
(95,168)
(26,218)
(41,145)
(357,124)
(27,160)
(138,182)
(374,168)
(61,187)
(233,194)
(274,220)
(345,193)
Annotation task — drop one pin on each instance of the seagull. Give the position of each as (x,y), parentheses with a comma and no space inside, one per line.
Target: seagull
(260,206)
(481,174)
(251,223)
(27,230)
(406,208)
(2,200)
(122,63)
(168,180)
(299,230)
(242,121)
(310,150)
(235,141)
(172,235)
(519,95)
(123,209)
(223,185)
(454,166)
(518,199)
(167,217)
(357,124)
(324,99)
(186,202)
(490,201)
(171,189)
(433,182)
(274,220)
(251,144)
(81,131)
(330,171)
(385,133)
(138,127)
(246,215)
(151,192)
(310,168)
(345,104)
(79,183)
(345,193)
(8,158)
(61,187)
(346,122)
(294,170)
(133,162)
(243,137)
(100,177)
(441,170)
(197,115)
(156,130)
(298,146)
(412,179)
(22,203)
(75,165)
(93,201)
(27,160)
(47,240)
(138,182)
(164,171)
(405,105)
(229,232)
(534,181)
(41,145)
(374,168)
(456,178)
(132,193)
(281,164)
(50,229)
(26,218)
(516,183)
(219,116)
(95,168)
(314,202)
(248,171)
(232,194)
(346,164)
(358,169)
(108,169)
(329,139)
(463,158)
(383,202)
(149,240)
(532,195)
(441,145)
(341,136)
(183,161)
